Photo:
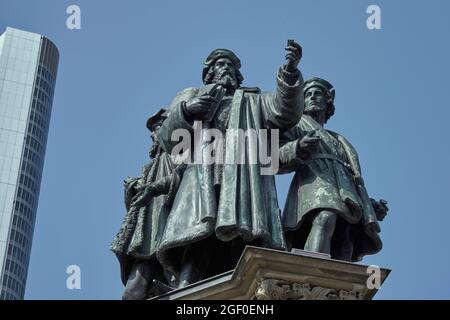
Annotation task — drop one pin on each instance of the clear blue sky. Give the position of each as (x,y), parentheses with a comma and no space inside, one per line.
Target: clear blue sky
(131,57)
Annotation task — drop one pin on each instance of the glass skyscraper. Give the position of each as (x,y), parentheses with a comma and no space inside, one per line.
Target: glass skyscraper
(28,68)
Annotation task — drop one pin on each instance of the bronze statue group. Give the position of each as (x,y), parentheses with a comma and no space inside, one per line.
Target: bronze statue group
(186,222)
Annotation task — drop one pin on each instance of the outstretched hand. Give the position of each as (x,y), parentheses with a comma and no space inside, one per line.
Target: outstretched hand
(293,55)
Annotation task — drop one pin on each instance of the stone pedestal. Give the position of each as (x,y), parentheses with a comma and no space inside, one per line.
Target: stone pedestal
(265,274)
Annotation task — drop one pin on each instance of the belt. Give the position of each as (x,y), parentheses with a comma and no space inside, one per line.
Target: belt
(356,177)
(332,157)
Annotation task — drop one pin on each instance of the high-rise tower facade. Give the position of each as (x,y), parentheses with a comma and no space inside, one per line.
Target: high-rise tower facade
(28,68)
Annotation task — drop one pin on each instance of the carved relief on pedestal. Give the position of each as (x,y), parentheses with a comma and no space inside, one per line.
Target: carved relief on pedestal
(274,289)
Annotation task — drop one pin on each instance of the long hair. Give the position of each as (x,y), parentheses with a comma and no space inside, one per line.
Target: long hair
(330,110)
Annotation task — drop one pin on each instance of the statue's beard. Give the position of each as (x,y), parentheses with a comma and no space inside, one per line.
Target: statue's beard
(226,79)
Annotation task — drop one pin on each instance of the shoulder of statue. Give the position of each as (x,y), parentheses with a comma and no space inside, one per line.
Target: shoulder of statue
(334,134)
(184,95)
(343,140)
(188,90)
(337,136)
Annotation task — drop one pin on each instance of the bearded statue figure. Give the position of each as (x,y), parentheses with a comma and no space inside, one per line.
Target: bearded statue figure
(221,207)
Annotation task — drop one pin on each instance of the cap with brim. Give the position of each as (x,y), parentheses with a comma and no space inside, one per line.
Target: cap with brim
(157,117)
(321,83)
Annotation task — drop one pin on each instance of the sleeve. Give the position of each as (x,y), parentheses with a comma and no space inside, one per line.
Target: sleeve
(168,185)
(172,128)
(289,152)
(176,119)
(177,175)
(283,109)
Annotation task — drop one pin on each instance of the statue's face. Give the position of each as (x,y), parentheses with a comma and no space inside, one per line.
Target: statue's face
(225,73)
(155,140)
(315,101)
(153,133)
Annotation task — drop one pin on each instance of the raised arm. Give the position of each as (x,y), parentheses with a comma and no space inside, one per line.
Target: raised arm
(283,109)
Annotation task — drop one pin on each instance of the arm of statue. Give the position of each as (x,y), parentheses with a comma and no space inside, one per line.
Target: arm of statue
(169,133)
(151,190)
(289,157)
(174,128)
(167,185)
(296,153)
(283,109)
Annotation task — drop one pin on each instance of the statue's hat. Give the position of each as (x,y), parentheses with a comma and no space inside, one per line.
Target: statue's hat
(161,115)
(321,83)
